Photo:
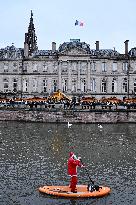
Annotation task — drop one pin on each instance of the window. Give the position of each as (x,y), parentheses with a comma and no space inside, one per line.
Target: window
(64,67)
(25,85)
(5,85)
(104,67)
(135,85)
(103,86)
(25,67)
(55,67)
(83,85)
(64,85)
(114,66)
(125,66)
(83,67)
(35,67)
(74,68)
(54,85)
(125,87)
(45,85)
(45,67)
(114,86)
(14,85)
(93,66)
(35,85)
(5,67)
(93,85)
(74,85)
(14,66)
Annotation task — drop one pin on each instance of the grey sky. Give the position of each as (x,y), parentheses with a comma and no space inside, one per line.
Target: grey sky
(109,21)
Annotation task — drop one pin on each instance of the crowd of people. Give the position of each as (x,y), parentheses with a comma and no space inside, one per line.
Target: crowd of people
(76,103)
(59,100)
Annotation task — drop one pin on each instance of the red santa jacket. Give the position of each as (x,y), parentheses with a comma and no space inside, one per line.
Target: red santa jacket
(72,165)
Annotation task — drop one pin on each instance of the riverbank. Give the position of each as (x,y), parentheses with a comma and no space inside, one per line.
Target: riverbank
(64,116)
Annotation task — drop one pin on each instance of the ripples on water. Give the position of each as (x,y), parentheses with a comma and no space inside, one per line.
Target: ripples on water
(35,154)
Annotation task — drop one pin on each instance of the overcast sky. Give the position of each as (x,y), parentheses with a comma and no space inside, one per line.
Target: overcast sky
(109,21)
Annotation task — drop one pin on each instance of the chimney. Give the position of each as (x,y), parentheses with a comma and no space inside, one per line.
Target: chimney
(53,46)
(97,45)
(126,47)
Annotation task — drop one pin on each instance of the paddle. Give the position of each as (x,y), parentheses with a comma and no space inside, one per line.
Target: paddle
(87,173)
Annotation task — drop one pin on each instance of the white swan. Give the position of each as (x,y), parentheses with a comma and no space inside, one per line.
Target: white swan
(69,125)
(100,126)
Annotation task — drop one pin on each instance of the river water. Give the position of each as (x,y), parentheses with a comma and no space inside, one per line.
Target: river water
(35,154)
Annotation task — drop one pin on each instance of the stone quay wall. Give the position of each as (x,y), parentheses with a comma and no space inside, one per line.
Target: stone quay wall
(64,116)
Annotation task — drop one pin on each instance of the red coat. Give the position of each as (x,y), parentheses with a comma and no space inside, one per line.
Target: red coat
(72,166)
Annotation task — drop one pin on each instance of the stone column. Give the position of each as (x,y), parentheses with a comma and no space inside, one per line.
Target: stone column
(59,74)
(69,76)
(88,76)
(78,77)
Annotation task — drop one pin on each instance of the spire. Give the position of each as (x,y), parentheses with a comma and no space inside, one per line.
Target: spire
(30,38)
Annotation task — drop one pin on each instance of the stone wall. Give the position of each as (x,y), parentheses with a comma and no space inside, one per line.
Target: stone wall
(68,116)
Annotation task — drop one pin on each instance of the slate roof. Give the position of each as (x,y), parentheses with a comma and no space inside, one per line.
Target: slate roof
(11,52)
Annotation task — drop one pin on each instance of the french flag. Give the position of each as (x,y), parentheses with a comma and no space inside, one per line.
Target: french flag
(79,23)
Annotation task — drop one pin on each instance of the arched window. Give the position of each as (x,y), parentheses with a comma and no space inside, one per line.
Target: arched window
(135,85)
(14,85)
(5,85)
(74,85)
(64,85)
(25,85)
(125,85)
(103,86)
(54,88)
(114,85)
(44,85)
(93,85)
(83,85)
(35,85)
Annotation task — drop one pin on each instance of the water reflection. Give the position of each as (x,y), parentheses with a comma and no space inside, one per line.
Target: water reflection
(35,154)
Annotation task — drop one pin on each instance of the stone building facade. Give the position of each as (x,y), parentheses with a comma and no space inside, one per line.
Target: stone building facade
(74,68)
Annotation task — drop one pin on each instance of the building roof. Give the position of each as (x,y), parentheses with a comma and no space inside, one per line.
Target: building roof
(11,52)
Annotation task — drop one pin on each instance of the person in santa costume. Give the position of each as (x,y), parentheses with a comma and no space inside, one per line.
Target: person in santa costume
(73,163)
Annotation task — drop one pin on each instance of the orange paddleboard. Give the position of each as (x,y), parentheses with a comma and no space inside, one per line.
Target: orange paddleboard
(65,191)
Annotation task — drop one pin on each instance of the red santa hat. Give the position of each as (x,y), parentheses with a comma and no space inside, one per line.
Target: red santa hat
(71,154)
